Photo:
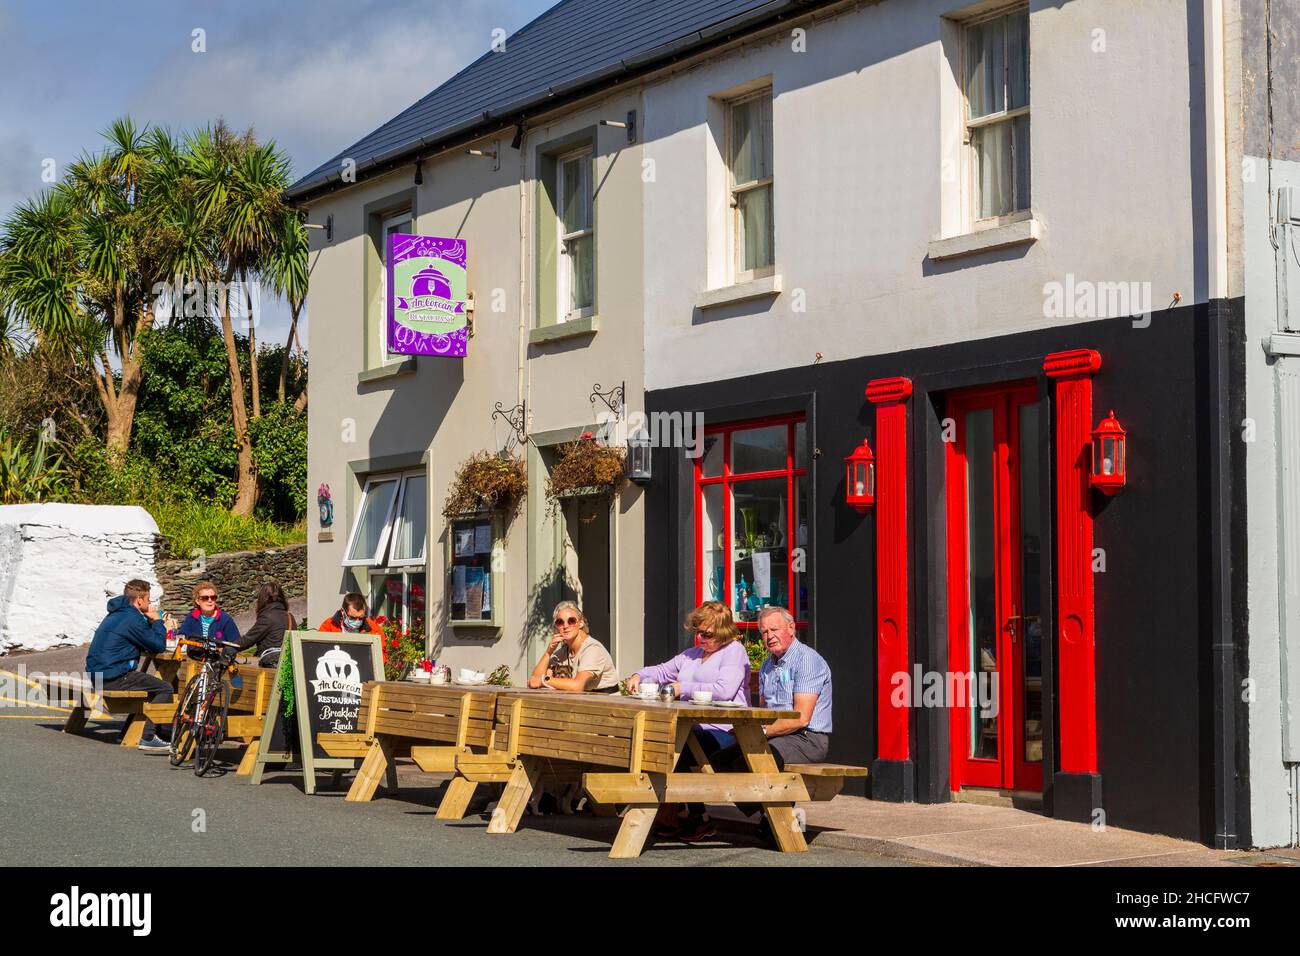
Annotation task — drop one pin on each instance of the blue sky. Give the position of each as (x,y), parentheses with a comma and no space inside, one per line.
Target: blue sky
(313,76)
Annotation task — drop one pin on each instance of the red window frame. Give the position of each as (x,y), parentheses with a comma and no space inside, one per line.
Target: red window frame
(728,480)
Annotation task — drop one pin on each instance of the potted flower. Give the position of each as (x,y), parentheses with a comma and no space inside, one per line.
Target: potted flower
(485,482)
(402,648)
(757,655)
(585,466)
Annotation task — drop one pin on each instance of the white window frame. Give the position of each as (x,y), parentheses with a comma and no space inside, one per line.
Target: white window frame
(735,190)
(564,270)
(971,161)
(389,220)
(420,560)
(378,574)
(380,559)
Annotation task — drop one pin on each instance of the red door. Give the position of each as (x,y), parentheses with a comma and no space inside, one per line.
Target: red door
(995,567)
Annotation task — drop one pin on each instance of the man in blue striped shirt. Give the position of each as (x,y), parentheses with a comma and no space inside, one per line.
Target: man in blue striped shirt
(794,677)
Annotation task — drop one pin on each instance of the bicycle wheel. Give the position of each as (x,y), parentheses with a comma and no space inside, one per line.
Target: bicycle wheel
(211,731)
(183,723)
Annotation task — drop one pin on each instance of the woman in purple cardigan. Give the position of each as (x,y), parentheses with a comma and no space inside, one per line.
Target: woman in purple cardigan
(719,664)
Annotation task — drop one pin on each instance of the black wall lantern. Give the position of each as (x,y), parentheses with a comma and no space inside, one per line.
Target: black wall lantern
(638,458)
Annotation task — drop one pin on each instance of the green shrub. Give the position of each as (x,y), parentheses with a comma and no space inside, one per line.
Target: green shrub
(28,473)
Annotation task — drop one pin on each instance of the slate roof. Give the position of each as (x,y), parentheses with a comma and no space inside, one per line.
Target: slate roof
(573,48)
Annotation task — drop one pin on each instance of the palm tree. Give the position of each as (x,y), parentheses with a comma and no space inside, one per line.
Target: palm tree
(238,188)
(289,275)
(80,264)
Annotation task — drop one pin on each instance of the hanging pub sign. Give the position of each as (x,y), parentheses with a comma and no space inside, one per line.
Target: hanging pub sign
(428,296)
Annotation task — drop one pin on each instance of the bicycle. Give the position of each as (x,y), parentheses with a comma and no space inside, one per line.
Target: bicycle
(199,725)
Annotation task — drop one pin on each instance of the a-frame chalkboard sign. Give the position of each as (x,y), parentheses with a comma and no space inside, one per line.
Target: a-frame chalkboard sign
(328,673)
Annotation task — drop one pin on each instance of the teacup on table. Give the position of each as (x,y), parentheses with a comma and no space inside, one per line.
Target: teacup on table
(648,690)
(702,696)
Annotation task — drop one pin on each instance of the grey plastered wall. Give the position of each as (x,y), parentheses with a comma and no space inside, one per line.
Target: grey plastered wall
(440,410)
(1268,162)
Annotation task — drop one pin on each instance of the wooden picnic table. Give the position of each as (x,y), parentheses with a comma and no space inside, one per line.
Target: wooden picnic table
(167,665)
(442,727)
(635,744)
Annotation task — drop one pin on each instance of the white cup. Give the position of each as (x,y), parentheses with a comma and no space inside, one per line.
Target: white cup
(467,674)
(649,690)
(702,696)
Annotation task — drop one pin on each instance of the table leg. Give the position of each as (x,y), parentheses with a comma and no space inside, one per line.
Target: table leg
(519,790)
(638,821)
(459,793)
(780,816)
(378,761)
(76,720)
(133,732)
(250,758)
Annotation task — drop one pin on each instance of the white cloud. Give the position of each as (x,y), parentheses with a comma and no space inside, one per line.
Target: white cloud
(316,99)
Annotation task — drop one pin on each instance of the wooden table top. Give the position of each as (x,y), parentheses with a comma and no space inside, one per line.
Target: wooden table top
(678,708)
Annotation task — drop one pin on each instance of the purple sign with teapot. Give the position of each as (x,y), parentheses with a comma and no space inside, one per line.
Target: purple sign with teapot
(428,296)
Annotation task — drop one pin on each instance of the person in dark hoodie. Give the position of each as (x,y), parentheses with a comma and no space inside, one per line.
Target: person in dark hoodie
(207,619)
(273,619)
(131,628)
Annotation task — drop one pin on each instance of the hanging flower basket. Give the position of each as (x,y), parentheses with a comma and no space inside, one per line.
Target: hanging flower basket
(487,482)
(585,467)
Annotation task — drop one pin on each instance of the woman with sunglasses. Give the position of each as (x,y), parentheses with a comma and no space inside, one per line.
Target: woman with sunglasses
(574,660)
(718,663)
(208,618)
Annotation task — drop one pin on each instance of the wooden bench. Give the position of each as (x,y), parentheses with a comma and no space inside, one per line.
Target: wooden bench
(89,704)
(824,780)
(443,728)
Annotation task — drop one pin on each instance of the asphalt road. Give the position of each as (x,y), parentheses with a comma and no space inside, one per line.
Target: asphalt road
(83,801)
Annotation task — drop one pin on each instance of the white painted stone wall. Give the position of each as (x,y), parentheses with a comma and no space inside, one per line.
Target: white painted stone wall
(60,564)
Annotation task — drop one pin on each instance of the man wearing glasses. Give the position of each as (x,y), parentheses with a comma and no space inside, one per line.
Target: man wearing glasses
(131,628)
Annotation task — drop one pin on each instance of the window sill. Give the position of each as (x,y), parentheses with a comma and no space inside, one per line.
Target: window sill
(564,330)
(384,372)
(478,624)
(997,237)
(766,287)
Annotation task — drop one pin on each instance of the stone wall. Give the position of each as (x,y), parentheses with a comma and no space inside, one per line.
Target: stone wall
(237,576)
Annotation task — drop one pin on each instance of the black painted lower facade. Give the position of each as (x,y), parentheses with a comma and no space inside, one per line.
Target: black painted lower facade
(1170,622)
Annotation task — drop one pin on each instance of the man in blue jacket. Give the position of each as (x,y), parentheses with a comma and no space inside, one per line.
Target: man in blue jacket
(132,627)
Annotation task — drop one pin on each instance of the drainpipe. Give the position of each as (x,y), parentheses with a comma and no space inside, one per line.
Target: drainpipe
(1226,731)
(521,384)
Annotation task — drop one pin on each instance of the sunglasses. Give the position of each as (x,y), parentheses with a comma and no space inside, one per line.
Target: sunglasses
(706,635)
(560,622)
(207,597)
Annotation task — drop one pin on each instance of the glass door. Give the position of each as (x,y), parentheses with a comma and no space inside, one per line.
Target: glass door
(994,577)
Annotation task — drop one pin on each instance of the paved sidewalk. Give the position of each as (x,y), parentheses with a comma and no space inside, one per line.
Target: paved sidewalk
(966,834)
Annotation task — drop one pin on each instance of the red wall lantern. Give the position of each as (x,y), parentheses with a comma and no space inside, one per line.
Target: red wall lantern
(1109,456)
(860,479)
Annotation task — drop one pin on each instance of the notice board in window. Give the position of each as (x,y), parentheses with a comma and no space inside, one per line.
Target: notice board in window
(471,587)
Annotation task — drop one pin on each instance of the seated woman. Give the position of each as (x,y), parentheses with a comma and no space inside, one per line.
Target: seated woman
(207,618)
(719,664)
(574,660)
(273,619)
